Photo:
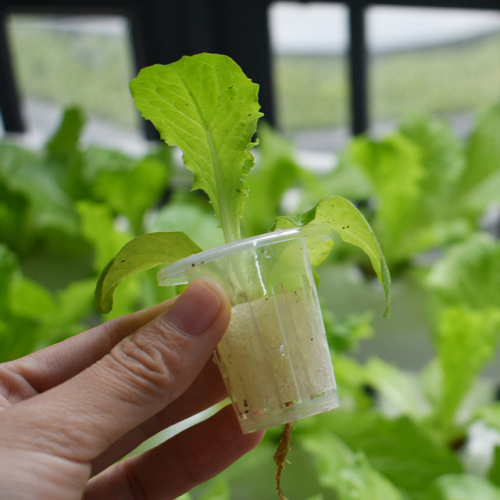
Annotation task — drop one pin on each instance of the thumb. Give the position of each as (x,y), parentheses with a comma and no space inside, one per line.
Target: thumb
(139,377)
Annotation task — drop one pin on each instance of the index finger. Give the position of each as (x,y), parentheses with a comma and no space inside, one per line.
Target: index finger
(57,363)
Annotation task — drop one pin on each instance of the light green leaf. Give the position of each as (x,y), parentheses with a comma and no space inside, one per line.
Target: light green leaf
(469,274)
(345,180)
(133,192)
(218,491)
(465,341)
(73,305)
(400,449)
(442,157)
(467,284)
(344,335)
(431,381)
(349,474)
(344,218)
(441,216)
(275,173)
(395,169)
(398,388)
(49,206)
(463,487)
(97,160)
(205,105)
(480,180)
(30,299)
(351,381)
(490,415)
(98,227)
(188,214)
(140,254)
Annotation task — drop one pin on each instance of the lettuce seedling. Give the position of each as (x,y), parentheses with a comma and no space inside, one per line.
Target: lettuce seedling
(206,106)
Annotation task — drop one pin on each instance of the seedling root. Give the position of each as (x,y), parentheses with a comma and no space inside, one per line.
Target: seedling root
(280,456)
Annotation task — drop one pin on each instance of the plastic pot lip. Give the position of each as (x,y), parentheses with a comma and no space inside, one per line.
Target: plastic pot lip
(321,231)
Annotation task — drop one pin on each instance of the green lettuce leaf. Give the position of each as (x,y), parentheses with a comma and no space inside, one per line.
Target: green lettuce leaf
(349,474)
(218,491)
(25,174)
(395,170)
(466,283)
(463,487)
(469,274)
(494,473)
(480,183)
(98,227)
(276,172)
(343,217)
(490,415)
(66,138)
(441,154)
(142,253)
(205,105)
(187,213)
(133,192)
(400,449)
(73,305)
(397,388)
(8,267)
(465,341)
(31,300)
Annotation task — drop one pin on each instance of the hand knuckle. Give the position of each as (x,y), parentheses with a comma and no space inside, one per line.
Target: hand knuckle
(146,362)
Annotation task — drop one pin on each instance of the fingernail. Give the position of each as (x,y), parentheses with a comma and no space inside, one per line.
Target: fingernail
(196,308)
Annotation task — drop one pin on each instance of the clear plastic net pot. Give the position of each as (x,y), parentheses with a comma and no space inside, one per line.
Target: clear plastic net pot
(274,357)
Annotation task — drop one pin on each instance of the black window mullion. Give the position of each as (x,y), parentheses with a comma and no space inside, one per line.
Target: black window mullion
(358,68)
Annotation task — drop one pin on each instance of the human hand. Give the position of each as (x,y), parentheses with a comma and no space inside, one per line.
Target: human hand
(70,411)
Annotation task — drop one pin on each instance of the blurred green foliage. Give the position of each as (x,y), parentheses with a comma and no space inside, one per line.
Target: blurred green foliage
(66,210)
